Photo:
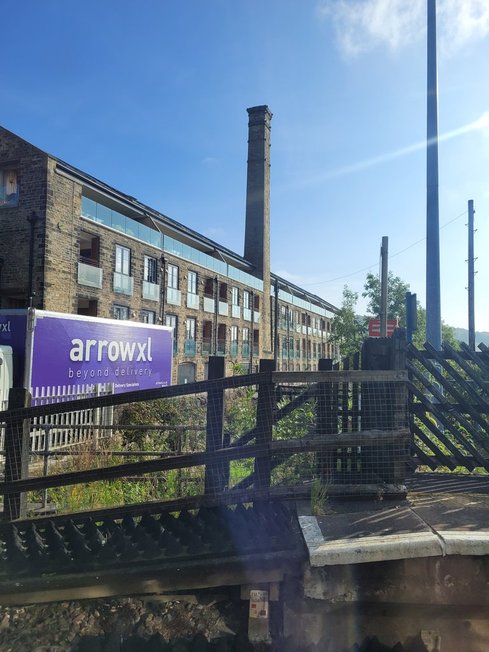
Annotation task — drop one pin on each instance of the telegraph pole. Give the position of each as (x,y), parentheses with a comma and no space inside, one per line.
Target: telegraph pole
(384,254)
(433,308)
(471,261)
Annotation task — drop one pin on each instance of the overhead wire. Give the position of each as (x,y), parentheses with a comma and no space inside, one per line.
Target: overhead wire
(397,253)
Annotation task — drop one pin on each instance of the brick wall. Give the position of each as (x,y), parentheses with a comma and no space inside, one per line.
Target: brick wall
(15,228)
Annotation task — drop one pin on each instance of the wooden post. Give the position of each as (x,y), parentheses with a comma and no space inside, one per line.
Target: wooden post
(264,426)
(17,446)
(215,425)
(324,421)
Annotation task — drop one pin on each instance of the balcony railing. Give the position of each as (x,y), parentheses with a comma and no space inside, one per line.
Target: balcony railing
(90,275)
(236,311)
(209,305)
(223,308)
(192,301)
(247,314)
(206,346)
(151,291)
(173,296)
(123,284)
(221,347)
(256,317)
(189,347)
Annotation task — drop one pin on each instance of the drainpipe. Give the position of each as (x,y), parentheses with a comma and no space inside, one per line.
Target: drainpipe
(252,329)
(216,312)
(287,312)
(32,221)
(275,330)
(163,288)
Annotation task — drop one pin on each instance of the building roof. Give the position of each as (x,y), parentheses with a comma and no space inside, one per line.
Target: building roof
(209,246)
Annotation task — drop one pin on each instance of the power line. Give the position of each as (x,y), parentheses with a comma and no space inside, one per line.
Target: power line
(397,253)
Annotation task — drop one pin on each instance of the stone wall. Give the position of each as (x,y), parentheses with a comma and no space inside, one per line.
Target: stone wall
(15,228)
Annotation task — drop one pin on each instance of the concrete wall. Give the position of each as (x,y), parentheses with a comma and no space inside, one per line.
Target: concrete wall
(434,604)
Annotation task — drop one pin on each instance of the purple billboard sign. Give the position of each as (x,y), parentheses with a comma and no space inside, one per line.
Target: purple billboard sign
(13,327)
(67,350)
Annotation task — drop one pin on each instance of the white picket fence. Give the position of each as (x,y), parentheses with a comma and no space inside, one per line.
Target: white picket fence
(69,428)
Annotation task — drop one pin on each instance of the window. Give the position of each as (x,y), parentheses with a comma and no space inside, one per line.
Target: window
(122,260)
(246,300)
(209,287)
(234,341)
(256,302)
(87,307)
(190,328)
(192,283)
(190,324)
(172,277)
(123,281)
(207,337)
(89,272)
(150,269)
(246,334)
(221,339)
(89,248)
(235,296)
(9,189)
(223,292)
(172,322)
(120,312)
(148,316)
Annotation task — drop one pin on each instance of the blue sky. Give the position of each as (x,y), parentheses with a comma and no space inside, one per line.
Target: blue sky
(151,97)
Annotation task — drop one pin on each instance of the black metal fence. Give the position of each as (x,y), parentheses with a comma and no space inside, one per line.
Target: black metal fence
(449,407)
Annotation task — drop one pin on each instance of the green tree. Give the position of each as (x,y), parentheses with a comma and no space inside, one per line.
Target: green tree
(396,297)
(419,335)
(349,330)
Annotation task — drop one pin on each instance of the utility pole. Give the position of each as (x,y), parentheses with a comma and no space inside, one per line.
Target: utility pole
(471,261)
(384,254)
(433,308)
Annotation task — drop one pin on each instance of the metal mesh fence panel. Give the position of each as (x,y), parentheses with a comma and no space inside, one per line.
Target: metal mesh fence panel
(222,438)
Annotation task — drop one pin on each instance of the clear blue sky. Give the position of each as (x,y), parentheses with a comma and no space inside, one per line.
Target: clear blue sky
(151,97)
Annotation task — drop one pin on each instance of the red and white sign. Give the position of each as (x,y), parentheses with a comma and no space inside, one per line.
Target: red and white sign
(374,327)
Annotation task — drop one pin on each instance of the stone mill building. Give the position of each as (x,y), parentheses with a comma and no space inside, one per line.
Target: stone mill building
(71,243)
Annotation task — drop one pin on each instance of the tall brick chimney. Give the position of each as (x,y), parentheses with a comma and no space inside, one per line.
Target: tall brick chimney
(257,230)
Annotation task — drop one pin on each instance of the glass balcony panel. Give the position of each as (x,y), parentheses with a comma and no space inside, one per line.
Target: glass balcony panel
(151,291)
(209,304)
(189,347)
(256,317)
(206,346)
(236,311)
(104,215)
(90,275)
(223,308)
(89,208)
(173,296)
(221,347)
(247,314)
(192,301)
(123,284)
